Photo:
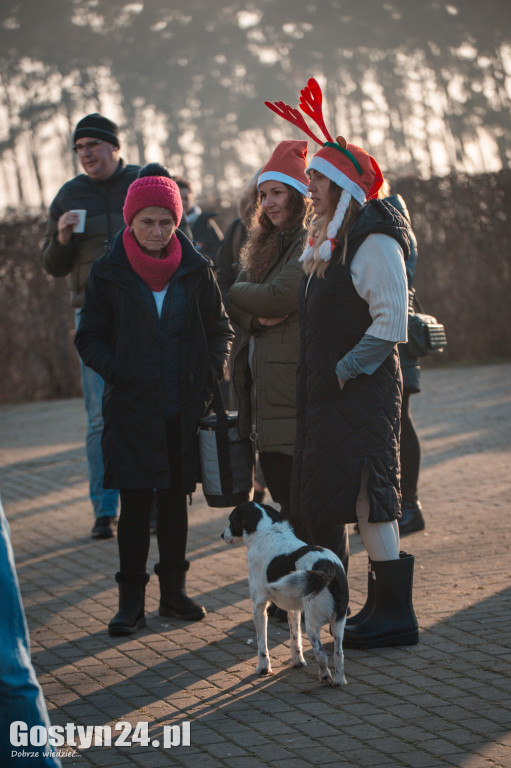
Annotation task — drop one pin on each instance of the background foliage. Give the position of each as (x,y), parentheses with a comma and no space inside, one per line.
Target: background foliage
(425,87)
(463,277)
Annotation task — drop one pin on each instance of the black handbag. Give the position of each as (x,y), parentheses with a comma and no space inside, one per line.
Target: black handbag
(425,334)
(226,460)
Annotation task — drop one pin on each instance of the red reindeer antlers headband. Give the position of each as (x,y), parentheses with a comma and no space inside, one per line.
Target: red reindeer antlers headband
(311,103)
(311,100)
(347,165)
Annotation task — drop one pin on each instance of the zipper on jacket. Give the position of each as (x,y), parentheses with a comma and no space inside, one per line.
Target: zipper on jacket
(253,407)
(306,292)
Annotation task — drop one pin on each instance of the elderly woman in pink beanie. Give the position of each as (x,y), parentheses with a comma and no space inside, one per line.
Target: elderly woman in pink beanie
(151,306)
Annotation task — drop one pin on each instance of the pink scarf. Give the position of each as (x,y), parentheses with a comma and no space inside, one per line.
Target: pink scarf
(156,273)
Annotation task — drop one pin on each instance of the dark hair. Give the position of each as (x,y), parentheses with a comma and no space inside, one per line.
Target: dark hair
(153,169)
(182,182)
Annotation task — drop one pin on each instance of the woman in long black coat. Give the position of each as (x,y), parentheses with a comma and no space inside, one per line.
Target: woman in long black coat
(151,322)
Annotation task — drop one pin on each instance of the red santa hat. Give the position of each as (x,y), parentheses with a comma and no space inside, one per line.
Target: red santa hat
(350,167)
(287,164)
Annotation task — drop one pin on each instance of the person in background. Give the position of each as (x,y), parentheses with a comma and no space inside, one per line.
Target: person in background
(207,235)
(228,269)
(228,257)
(100,191)
(146,304)
(21,697)
(263,303)
(411,519)
(352,306)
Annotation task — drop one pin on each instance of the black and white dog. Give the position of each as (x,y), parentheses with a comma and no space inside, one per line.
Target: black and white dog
(297,578)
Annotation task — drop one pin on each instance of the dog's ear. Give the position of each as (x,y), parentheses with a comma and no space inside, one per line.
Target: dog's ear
(245,518)
(236,521)
(274,514)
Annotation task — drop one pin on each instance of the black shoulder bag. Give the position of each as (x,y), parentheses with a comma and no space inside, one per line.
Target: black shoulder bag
(226,460)
(425,334)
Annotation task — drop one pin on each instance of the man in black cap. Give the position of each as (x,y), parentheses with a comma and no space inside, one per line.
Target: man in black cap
(100,192)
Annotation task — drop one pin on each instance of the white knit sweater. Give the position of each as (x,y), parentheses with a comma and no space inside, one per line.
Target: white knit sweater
(379,276)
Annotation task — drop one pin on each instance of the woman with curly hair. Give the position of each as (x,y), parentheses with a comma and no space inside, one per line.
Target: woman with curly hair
(263,302)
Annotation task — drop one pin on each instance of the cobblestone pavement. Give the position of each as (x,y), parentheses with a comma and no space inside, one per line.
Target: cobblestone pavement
(445,702)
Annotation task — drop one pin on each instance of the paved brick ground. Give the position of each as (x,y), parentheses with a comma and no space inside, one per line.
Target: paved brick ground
(445,702)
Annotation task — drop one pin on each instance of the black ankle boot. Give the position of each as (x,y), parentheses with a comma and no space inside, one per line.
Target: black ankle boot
(392,620)
(359,617)
(130,615)
(411,519)
(174,601)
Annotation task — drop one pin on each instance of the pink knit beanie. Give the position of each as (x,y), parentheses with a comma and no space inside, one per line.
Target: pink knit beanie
(153,190)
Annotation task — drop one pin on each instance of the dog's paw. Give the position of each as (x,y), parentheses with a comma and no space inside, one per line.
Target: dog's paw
(325,677)
(339,680)
(297,663)
(263,663)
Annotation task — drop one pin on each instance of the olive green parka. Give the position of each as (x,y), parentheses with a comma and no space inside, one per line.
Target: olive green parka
(266,390)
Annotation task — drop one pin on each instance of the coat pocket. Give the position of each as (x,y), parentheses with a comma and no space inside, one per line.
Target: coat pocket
(279,386)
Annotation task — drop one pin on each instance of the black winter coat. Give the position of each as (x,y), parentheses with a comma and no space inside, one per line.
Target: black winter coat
(340,432)
(410,365)
(122,338)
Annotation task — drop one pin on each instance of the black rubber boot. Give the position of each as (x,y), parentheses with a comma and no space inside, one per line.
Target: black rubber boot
(411,519)
(174,601)
(130,615)
(359,617)
(392,620)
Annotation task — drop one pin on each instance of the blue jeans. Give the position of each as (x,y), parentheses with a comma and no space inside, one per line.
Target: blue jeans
(21,697)
(103,500)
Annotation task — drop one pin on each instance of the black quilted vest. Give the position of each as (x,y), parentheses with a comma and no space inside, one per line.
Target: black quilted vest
(340,432)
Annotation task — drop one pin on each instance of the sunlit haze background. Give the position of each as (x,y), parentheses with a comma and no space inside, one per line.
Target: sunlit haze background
(424,86)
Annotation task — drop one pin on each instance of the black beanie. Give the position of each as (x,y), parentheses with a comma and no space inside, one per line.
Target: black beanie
(153,169)
(96,126)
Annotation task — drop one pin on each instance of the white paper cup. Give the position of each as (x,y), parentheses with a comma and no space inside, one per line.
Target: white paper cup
(80,227)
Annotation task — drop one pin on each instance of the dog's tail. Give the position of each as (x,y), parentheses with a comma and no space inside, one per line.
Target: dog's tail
(299,584)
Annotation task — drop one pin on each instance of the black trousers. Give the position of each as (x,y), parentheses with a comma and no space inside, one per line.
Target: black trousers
(410,453)
(133,532)
(277,469)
